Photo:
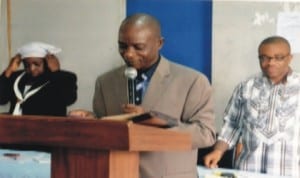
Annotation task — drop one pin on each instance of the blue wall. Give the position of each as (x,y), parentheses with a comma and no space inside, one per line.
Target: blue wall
(186,27)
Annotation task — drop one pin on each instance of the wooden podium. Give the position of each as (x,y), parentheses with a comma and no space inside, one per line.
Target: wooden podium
(86,148)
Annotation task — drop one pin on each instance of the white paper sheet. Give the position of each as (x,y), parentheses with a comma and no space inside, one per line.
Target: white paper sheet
(288,26)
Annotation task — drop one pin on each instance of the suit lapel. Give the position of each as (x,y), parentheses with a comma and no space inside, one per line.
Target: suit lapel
(158,84)
(121,86)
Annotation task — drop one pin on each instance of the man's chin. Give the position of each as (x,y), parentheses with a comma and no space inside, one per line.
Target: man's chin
(271,73)
(35,76)
(136,67)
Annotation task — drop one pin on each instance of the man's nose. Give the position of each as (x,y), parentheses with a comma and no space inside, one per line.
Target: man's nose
(129,53)
(31,67)
(271,61)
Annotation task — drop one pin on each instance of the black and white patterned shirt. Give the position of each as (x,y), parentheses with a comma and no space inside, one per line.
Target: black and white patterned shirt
(265,118)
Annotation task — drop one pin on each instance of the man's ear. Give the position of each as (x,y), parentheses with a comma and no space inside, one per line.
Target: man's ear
(161,41)
(290,58)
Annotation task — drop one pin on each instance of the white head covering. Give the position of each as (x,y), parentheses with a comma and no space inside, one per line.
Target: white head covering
(37,49)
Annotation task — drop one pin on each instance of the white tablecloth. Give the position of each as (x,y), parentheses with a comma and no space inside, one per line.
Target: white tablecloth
(28,164)
(204,172)
(33,164)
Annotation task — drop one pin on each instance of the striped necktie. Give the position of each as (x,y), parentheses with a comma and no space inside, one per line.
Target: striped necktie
(140,88)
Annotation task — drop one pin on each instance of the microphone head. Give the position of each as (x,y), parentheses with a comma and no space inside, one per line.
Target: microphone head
(130,72)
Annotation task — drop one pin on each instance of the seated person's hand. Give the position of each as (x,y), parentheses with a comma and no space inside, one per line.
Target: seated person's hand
(81,113)
(13,65)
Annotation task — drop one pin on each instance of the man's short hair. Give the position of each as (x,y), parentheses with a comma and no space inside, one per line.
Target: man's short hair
(274,39)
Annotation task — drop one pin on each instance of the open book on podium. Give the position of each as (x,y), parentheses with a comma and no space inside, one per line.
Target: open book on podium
(90,148)
(151,118)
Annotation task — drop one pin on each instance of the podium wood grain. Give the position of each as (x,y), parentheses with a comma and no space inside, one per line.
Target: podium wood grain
(86,148)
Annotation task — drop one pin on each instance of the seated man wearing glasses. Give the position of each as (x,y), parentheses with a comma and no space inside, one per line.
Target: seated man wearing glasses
(263,114)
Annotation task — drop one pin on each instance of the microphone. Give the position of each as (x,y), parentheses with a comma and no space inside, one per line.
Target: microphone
(131,74)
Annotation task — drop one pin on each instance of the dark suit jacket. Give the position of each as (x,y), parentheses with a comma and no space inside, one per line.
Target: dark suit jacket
(177,91)
(52,99)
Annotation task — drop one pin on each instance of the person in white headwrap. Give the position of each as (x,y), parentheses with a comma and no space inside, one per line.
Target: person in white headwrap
(41,87)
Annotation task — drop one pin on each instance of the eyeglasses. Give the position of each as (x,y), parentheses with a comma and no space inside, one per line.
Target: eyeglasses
(264,58)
